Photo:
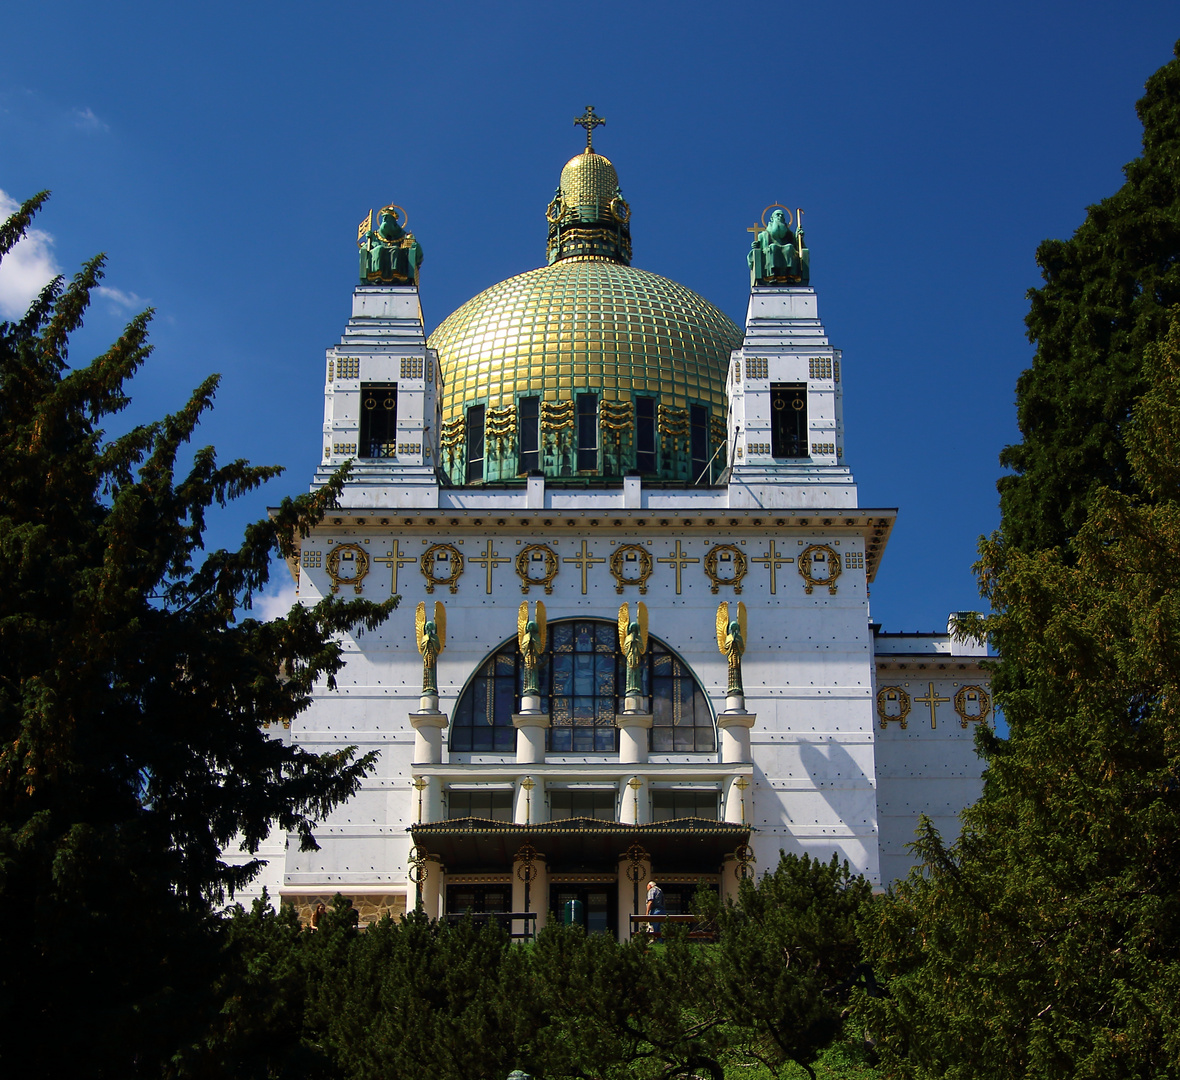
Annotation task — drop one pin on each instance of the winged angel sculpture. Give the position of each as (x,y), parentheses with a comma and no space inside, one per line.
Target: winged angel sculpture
(731,641)
(531,636)
(431,635)
(633,644)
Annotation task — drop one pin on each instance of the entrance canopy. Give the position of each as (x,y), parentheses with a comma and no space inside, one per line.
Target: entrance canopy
(682,845)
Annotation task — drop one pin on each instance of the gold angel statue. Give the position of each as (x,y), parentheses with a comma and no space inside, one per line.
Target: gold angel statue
(633,645)
(432,639)
(530,637)
(731,641)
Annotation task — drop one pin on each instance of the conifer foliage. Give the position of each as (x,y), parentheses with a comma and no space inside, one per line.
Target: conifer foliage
(133,700)
(1106,295)
(1046,941)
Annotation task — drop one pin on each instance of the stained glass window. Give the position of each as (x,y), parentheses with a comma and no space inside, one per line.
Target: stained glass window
(582,679)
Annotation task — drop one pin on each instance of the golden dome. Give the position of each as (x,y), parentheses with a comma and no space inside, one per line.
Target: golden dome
(589,325)
(588,184)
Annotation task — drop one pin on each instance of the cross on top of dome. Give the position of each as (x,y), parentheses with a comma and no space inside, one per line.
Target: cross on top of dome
(589,121)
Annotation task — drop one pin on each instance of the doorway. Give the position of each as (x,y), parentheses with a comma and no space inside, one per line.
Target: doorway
(599,904)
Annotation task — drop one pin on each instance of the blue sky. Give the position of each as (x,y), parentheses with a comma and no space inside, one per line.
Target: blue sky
(221,155)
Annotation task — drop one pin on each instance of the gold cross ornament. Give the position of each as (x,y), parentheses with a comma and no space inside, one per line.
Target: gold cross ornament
(489,560)
(396,560)
(772,560)
(680,560)
(933,701)
(589,121)
(583,560)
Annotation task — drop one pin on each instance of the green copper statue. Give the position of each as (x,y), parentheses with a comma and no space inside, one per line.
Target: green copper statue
(530,637)
(389,254)
(431,636)
(777,255)
(731,643)
(633,644)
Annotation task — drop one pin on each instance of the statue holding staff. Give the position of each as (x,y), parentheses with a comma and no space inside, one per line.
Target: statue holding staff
(633,645)
(530,639)
(731,641)
(431,635)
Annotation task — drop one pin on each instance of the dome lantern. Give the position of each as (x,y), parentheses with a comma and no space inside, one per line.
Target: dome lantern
(588,217)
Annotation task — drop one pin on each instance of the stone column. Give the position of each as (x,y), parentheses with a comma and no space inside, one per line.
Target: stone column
(634,802)
(629,891)
(735,736)
(426,797)
(433,889)
(538,891)
(428,727)
(530,734)
(528,801)
(633,728)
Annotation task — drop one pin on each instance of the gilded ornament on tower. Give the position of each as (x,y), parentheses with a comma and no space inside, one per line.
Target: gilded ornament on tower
(531,637)
(633,645)
(731,642)
(431,636)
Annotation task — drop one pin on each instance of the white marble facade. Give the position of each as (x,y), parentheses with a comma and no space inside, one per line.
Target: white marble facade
(847,734)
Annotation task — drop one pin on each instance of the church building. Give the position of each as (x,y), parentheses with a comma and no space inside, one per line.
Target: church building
(634,638)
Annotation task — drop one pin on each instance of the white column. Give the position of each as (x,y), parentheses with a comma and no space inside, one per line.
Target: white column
(530,736)
(428,728)
(528,801)
(426,796)
(628,891)
(735,736)
(633,728)
(634,801)
(433,890)
(538,891)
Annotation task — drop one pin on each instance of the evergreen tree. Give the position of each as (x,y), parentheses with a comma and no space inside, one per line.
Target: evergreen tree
(133,702)
(1046,941)
(788,957)
(1106,294)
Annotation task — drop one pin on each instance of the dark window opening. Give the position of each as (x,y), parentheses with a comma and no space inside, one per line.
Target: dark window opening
(479,898)
(582,679)
(788,420)
(587,432)
(493,805)
(378,420)
(597,904)
(574,804)
(645,434)
(698,439)
(475,443)
(669,805)
(529,414)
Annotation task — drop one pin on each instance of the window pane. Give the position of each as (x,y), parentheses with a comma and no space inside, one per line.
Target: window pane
(587,432)
(529,413)
(788,420)
(645,434)
(378,434)
(475,443)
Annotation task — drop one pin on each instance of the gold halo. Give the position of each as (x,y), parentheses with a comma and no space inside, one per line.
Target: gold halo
(405,217)
(772,206)
(553,210)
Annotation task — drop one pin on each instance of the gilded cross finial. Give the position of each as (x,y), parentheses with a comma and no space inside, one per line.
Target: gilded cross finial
(589,121)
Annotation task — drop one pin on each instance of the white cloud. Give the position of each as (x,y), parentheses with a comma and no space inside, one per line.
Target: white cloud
(272,605)
(26,269)
(120,300)
(85,120)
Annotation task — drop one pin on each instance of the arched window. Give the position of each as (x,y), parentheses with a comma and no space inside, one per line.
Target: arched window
(582,679)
